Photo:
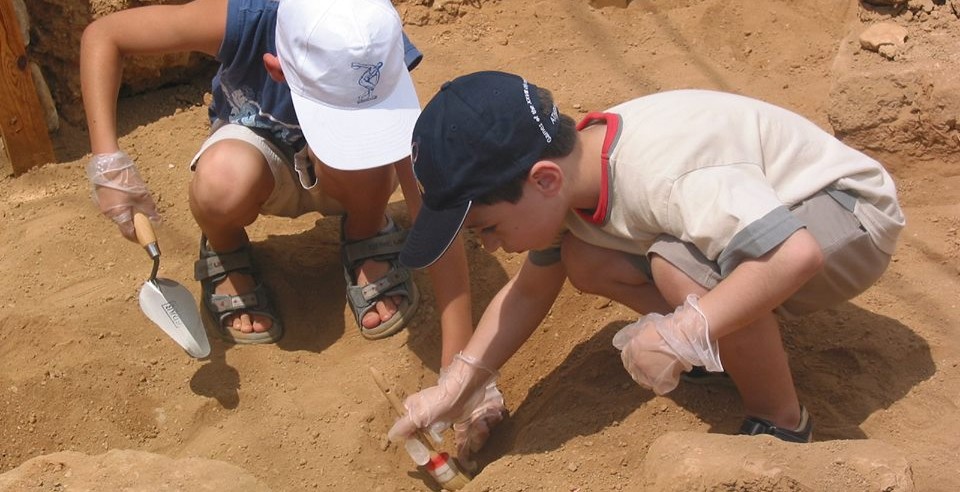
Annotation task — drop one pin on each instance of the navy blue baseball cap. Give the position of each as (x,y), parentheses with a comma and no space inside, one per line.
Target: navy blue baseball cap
(478,133)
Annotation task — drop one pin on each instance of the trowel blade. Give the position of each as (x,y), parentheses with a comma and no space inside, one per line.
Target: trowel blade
(172,307)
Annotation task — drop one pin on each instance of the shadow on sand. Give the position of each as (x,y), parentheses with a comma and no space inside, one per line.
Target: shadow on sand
(847,362)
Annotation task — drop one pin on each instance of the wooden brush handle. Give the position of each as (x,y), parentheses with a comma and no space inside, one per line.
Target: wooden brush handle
(387,392)
(460,478)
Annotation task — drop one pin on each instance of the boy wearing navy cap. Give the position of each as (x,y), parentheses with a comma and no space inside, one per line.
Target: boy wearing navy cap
(708,213)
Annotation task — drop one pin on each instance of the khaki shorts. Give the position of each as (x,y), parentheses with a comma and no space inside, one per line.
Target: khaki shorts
(296,189)
(852,262)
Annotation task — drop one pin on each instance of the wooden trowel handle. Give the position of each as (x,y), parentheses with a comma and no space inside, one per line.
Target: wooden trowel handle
(145,234)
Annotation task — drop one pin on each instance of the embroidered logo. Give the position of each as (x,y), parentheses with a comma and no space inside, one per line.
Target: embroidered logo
(368,80)
(533,112)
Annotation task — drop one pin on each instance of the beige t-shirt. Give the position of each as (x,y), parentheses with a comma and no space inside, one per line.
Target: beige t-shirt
(721,171)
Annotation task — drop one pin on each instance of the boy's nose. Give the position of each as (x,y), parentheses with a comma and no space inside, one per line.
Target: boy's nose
(490,243)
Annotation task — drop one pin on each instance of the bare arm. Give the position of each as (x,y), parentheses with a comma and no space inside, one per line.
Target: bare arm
(196,26)
(759,286)
(450,278)
(656,349)
(515,312)
(464,389)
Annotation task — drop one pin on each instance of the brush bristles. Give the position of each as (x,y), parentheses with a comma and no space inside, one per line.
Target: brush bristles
(456,483)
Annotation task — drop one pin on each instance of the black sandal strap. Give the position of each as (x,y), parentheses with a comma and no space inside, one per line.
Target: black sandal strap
(212,264)
(386,246)
(364,296)
(753,426)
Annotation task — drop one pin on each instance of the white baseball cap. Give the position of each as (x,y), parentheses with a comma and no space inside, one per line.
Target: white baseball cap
(344,63)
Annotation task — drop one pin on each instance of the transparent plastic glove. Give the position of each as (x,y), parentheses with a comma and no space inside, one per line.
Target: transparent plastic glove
(119,191)
(656,349)
(460,390)
(471,434)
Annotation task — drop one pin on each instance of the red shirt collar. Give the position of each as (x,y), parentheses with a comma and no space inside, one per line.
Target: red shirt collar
(599,214)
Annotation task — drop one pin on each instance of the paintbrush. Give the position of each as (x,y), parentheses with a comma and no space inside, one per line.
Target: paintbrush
(441,466)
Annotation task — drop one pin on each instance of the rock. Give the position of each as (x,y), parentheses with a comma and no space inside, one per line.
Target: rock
(926,6)
(127,470)
(885,3)
(609,3)
(23,19)
(907,109)
(680,461)
(50,115)
(884,33)
(888,51)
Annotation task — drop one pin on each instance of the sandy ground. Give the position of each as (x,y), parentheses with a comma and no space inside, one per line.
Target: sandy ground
(83,371)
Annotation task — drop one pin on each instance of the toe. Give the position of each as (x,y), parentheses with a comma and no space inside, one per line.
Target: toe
(262,324)
(387,308)
(383,312)
(246,326)
(371,319)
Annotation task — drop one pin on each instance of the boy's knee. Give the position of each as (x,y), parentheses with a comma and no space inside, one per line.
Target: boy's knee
(586,265)
(232,165)
(221,189)
(576,260)
(582,281)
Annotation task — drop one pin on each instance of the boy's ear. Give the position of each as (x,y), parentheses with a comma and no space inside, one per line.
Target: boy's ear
(272,64)
(547,177)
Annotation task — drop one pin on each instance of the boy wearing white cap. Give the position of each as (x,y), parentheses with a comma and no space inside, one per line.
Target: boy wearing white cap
(313,108)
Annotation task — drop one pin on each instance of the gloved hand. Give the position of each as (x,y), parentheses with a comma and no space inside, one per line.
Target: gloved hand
(656,349)
(119,191)
(470,435)
(460,392)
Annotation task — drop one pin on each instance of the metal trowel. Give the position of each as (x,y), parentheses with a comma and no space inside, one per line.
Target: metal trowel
(167,303)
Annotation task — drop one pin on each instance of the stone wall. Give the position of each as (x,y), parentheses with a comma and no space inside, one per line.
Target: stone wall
(57,25)
(896,82)
(55,30)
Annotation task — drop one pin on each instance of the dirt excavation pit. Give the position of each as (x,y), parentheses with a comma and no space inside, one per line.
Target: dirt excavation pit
(93,396)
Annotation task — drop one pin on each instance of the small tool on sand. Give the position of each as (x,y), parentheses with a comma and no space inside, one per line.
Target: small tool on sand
(441,466)
(167,303)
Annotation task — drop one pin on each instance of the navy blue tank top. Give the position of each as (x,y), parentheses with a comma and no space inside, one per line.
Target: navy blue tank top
(243,92)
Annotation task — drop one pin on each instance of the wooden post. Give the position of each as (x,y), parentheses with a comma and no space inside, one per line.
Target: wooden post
(22,123)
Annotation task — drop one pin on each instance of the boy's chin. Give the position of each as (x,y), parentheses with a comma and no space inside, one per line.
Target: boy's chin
(541,247)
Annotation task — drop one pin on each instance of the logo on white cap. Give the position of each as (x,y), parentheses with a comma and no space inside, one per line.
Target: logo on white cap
(344,63)
(369,80)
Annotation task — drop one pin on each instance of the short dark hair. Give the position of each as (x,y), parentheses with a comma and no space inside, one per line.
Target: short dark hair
(561,146)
